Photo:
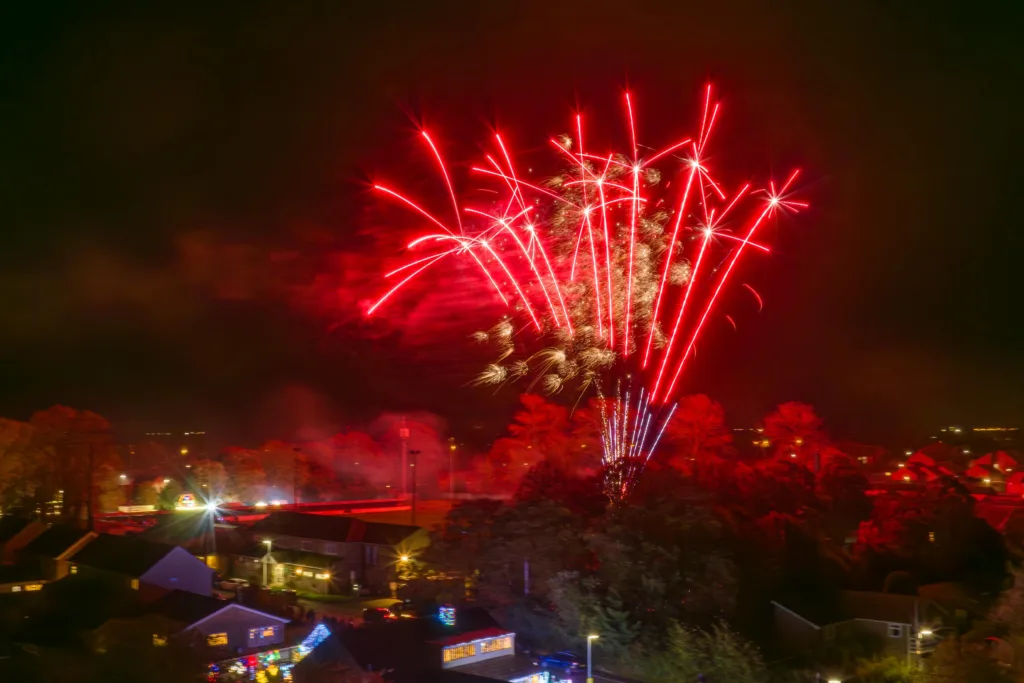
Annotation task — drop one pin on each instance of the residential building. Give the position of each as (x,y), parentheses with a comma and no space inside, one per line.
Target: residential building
(142,565)
(199,534)
(21,579)
(883,624)
(327,553)
(474,647)
(52,548)
(224,628)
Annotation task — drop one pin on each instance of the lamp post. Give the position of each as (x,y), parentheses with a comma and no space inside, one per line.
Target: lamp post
(403,434)
(590,642)
(266,560)
(412,465)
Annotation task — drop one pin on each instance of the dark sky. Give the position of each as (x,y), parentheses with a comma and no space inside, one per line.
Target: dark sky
(188,235)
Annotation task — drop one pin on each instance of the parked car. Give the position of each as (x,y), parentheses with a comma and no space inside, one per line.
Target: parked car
(376,615)
(409,609)
(233,584)
(563,661)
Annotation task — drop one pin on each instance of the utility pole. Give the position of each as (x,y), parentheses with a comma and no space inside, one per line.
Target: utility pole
(295,476)
(526,577)
(403,434)
(451,468)
(413,465)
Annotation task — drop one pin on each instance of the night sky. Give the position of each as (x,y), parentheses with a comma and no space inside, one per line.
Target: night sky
(189,235)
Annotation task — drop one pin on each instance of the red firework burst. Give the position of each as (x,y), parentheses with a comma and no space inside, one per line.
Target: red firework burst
(592,262)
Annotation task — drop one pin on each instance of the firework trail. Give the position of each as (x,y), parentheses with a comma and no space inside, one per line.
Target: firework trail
(606,269)
(630,435)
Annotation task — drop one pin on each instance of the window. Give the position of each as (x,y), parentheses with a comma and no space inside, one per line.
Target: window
(459,652)
(830,632)
(34,587)
(135,584)
(263,634)
(159,640)
(307,545)
(217,639)
(73,569)
(330,548)
(895,630)
(15,589)
(496,644)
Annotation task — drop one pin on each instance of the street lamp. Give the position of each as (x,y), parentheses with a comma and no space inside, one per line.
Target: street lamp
(590,642)
(266,559)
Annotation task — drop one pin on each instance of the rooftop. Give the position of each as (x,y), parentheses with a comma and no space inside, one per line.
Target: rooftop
(127,555)
(889,607)
(11,526)
(55,541)
(336,528)
(500,668)
(186,607)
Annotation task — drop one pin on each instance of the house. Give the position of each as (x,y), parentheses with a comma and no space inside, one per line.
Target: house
(327,553)
(15,534)
(199,534)
(23,578)
(138,563)
(224,628)
(883,624)
(52,548)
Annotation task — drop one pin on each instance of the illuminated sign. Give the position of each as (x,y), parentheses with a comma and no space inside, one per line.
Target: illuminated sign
(186,501)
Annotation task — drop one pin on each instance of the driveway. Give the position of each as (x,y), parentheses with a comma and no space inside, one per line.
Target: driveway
(345,609)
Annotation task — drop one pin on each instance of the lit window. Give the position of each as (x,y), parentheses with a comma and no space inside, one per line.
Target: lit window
(73,569)
(217,639)
(262,634)
(459,652)
(15,589)
(34,587)
(135,584)
(895,630)
(159,641)
(496,644)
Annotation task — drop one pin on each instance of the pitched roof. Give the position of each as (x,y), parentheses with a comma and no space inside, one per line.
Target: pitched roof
(890,607)
(186,607)
(128,555)
(381,533)
(340,529)
(506,668)
(11,526)
(878,606)
(54,541)
(193,533)
(19,573)
(336,528)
